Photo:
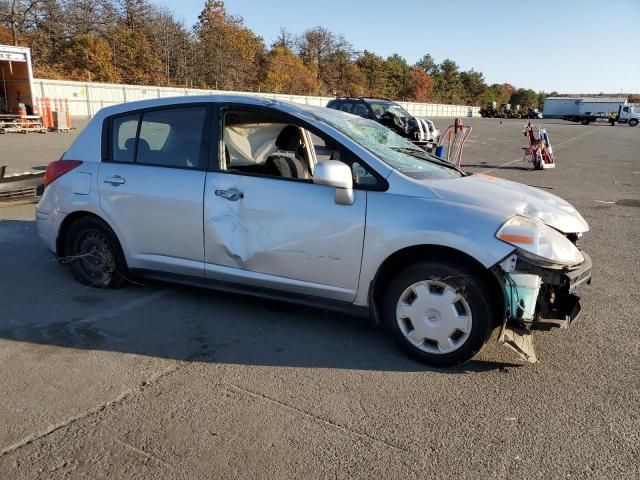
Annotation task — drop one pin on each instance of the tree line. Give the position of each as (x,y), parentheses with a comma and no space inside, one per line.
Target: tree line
(136,42)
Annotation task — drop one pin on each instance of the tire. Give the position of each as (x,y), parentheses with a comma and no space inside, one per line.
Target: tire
(585,121)
(455,306)
(633,122)
(94,254)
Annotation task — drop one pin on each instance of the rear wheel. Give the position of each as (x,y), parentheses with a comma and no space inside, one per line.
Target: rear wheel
(439,312)
(94,254)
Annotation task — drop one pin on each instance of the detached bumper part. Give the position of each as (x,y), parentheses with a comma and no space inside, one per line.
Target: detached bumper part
(558,305)
(519,339)
(580,275)
(561,314)
(538,299)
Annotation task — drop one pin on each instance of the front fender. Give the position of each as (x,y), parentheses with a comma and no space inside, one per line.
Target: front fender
(396,222)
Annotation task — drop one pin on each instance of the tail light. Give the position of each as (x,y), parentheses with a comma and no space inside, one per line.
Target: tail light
(58,168)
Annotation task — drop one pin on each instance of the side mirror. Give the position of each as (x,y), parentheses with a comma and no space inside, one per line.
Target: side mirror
(334,173)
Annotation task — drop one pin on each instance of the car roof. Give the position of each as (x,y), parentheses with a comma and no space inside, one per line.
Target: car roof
(289,107)
(363,99)
(86,147)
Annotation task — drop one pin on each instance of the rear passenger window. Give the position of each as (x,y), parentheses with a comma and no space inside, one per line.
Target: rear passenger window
(361,110)
(124,138)
(170,138)
(347,107)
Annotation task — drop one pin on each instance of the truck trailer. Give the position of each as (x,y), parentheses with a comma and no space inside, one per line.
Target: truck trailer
(16,80)
(586,110)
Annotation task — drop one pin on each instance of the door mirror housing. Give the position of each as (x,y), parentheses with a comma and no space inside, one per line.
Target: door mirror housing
(334,173)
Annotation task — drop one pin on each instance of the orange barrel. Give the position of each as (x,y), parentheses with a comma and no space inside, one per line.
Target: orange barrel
(66,107)
(48,112)
(22,112)
(45,114)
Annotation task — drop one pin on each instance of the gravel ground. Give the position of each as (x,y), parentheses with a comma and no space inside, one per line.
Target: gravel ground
(173,382)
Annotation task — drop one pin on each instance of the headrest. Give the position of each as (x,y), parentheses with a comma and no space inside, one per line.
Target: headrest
(289,138)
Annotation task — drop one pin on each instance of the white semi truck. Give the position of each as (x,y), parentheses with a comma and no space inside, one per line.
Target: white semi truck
(592,109)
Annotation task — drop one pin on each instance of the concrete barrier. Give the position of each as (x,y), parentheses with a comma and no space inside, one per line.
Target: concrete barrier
(84,99)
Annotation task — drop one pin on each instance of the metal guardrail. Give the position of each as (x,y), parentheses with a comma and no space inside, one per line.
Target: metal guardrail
(86,98)
(23,186)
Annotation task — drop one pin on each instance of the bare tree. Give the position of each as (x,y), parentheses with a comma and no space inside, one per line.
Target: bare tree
(284,39)
(95,17)
(170,39)
(318,45)
(134,12)
(17,14)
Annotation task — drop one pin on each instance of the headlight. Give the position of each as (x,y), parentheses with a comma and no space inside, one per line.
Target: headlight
(538,242)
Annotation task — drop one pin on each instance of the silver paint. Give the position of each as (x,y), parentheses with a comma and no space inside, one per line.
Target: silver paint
(286,234)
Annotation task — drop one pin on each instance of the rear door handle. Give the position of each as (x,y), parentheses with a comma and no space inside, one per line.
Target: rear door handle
(115,180)
(233,194)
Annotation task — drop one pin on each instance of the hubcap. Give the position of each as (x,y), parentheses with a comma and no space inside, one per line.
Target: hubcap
(434,317)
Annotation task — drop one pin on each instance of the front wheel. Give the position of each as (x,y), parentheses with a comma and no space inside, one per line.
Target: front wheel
(633,122)
(439,312)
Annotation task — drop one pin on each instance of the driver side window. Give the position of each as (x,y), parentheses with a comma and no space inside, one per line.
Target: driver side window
(326,149)
(258,142)
(262,143)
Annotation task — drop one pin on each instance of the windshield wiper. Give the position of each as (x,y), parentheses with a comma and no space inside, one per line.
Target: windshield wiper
(422,155)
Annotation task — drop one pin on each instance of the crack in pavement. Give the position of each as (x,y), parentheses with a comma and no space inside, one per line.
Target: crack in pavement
(88,413)
(147,455)
(318,418)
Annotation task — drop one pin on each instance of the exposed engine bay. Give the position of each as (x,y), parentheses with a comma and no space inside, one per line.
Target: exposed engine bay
(538,298)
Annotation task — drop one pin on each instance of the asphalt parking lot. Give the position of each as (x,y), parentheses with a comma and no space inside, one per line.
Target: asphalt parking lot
(175,382)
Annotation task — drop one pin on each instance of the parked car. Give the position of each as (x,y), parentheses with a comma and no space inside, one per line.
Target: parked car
(315,206)
(420,131)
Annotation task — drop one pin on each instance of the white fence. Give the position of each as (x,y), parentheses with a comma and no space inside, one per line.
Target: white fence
(86,98)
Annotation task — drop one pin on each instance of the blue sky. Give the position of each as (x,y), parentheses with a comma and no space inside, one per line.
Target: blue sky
(571,46)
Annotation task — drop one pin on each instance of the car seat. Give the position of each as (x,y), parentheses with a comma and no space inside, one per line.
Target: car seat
(144,150)
(289,161)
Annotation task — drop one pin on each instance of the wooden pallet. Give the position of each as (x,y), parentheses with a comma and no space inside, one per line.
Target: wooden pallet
(23,129)
(16,124)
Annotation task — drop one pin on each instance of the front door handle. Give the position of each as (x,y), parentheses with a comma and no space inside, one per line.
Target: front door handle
(115,180)
(233,194)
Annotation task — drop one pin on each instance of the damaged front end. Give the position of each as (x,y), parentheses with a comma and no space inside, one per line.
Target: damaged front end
(539,290)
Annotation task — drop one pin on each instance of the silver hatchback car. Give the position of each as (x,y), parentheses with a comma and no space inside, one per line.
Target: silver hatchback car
(314,206)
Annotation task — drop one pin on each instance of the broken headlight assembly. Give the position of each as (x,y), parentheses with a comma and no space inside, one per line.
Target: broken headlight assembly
(538,243)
